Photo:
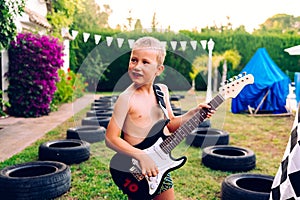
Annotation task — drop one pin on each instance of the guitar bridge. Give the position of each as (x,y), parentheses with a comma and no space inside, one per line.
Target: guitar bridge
(136,173)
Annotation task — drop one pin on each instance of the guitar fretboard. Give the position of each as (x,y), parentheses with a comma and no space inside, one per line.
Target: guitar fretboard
(171,142)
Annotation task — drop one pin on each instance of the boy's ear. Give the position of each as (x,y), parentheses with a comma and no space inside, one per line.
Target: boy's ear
(160,69)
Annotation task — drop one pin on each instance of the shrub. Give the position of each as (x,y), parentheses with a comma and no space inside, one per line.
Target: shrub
(3,104)
(32,74)
(69,87)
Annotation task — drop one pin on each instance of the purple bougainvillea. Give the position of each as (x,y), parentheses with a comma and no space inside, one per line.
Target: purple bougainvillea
(33,64)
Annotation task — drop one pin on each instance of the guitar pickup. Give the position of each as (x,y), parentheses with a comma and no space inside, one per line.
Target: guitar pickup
(136,173)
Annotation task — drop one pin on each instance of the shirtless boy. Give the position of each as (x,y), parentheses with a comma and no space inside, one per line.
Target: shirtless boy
(137,110)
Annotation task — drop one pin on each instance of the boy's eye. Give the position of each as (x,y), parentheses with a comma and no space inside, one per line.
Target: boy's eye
(133,60)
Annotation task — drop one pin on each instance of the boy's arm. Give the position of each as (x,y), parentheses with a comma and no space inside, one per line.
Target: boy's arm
(115,142)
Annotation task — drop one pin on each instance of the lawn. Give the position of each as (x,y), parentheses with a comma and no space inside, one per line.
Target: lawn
(266,136)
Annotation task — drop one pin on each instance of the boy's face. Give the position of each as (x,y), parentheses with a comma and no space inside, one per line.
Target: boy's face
(143,66)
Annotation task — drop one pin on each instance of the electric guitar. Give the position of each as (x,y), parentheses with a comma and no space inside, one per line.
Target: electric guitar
(126,171)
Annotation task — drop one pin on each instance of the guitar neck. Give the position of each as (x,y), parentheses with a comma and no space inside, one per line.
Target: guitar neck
(171,142)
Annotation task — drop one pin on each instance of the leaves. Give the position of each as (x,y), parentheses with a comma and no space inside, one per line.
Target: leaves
(9,9)
(33,64)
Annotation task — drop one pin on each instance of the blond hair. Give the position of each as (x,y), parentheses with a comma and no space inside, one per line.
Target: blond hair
(152,43)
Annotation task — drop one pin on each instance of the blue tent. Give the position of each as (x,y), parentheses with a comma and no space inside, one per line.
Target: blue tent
(270,88)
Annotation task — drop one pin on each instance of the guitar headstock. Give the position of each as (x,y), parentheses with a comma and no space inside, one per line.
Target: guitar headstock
(234,86)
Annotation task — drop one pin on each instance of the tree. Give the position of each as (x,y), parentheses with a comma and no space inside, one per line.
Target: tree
(199,64)
(138,25)
(8,30)
(90,17)
(280,23)
(154,23)
(233,57)
(61,14)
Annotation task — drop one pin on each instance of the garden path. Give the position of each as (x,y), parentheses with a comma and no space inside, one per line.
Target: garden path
(17,133)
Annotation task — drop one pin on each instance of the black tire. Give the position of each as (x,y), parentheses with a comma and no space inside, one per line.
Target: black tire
(106,99)
(228,158)
(69,151)
(204,137)
(99,113)
(102,104)
(205,124)
(176,109)
(35,180)
(175,97)
(90,134)
(246,187)
(107,108)
(95,121)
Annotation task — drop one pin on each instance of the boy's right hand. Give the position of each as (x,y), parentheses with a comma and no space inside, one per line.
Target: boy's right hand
(147,165)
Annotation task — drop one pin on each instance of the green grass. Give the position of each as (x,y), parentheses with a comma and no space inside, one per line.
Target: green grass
(266,136)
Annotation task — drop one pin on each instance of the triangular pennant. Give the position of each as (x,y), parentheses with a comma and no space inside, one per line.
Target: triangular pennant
(194,44)
(203,43)
(97,38)
(74,34)
(173,44)
(86,37)
(109,40)
(120,42)
(183,45)
(130,42)
(164,43)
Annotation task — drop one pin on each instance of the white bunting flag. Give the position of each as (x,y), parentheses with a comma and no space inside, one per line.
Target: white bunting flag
(203,43)
(194,44)
(120,42)
(74,34)
(183,45)
(109,40)
(173,44)
(164,43)
(86,37)
(130,42)
(97,38)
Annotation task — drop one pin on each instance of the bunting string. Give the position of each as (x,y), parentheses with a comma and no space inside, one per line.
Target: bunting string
(183,44)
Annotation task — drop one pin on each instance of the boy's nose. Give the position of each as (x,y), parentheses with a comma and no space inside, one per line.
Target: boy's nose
(137,66)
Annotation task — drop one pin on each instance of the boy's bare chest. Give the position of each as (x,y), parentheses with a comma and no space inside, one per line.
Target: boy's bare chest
(144,111)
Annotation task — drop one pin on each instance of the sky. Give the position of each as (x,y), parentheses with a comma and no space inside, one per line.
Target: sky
(188,14)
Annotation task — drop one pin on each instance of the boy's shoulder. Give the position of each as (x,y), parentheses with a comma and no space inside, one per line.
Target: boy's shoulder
(163,87)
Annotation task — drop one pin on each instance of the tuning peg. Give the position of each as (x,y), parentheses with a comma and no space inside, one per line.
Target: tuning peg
(240,75)
(231,79)
(244,73)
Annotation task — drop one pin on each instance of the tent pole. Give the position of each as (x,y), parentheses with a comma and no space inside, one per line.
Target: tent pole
(261,102)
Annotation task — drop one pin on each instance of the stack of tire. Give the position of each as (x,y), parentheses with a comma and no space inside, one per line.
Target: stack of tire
(50,176)
(100,113)
(174,99)
(93,126)
(217,154)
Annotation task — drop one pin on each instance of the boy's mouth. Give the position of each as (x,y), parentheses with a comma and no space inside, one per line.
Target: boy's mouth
(135,74)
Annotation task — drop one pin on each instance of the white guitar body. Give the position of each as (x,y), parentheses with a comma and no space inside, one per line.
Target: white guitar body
(164,162)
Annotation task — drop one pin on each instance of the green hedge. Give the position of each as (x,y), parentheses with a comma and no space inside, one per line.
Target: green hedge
(105,67)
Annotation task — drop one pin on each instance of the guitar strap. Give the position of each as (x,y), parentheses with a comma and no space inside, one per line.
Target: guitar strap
(160,99)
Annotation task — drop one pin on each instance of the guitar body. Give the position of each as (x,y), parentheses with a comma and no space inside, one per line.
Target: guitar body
(126,172)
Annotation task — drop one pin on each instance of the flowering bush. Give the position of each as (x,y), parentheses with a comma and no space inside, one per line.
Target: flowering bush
(32,75)
(69,87)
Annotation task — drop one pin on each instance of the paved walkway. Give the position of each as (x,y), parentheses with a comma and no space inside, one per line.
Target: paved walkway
(18,133)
